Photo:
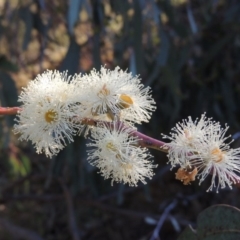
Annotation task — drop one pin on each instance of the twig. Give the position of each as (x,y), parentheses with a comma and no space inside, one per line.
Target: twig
(18,232)
(156,177)
(28,197)
(149,142)
(71,217)
(22,180)
(119,211)
(9,111)
(144,140)
(88,202)
(155,235)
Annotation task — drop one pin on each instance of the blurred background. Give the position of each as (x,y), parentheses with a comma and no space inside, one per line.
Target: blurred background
(187,51)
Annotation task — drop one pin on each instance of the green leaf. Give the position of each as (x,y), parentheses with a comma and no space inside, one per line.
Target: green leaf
(9,90)
(132,64)
(71,60)
(191,20)
(219,222)
(96,51)
(20,166)
(6,65)
(26,163)
(73,12)
(137,36)
(26,16)
(188,234)
(161,59)
(120,194)
(215,50)
(164,49)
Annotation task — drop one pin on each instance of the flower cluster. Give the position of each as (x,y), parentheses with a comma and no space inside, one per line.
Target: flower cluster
(115,152)
(46,117)
(107,93)
(54,107)
(199,148)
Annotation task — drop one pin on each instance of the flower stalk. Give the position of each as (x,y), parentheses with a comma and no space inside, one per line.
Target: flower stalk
(9,110)
(143,140)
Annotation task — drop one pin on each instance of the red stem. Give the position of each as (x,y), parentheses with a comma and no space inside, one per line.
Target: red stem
(148,142)
(144,140)
(9,111)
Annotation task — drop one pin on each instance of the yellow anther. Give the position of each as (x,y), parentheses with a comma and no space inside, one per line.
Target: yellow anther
(127,166)
(111,146)
(188,135)
(125,101)
(218,155)
(50,116)
(104,91)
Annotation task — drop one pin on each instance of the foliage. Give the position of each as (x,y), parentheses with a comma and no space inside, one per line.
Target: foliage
(216,222)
